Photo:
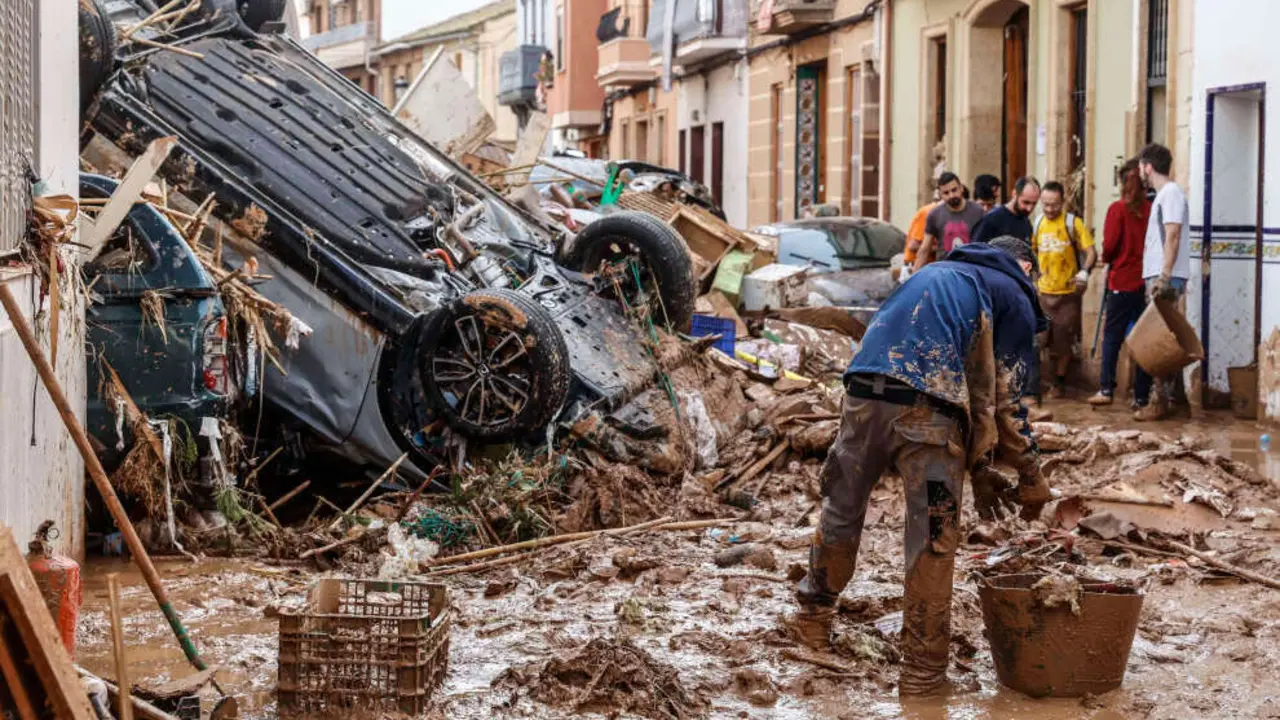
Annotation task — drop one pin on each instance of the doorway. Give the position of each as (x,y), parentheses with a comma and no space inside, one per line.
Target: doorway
(1013,161)
(810,155)
(1232,313)
(697,152)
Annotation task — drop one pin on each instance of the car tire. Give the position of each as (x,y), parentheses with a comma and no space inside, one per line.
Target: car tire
(495,365)
(97,50)
(658,245)
(257,13)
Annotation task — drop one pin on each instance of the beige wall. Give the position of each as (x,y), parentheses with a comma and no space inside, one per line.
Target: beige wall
(496,37)
(776,67)
(627,111)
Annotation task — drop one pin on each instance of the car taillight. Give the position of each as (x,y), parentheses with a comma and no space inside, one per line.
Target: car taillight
(216,376)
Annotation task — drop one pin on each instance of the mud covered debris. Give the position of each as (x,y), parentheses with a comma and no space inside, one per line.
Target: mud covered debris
(607,676)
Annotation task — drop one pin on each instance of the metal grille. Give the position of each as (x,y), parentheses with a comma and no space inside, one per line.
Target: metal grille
(1079,83)
(1157,41)
(17,117)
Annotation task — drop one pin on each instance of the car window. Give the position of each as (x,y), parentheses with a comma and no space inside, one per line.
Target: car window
(808,246)
(125,253)
(869,246)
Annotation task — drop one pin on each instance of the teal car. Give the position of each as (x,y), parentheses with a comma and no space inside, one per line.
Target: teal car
(176,368)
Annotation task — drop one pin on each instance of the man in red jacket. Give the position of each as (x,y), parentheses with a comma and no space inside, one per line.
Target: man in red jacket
(1123,238)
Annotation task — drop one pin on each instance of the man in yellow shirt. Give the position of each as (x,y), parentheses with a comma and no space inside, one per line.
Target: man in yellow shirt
(1064,249)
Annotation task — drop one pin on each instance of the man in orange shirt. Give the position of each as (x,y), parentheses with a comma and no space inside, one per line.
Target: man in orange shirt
(915,233)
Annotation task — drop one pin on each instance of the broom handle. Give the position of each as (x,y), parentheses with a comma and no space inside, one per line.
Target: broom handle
(99,476)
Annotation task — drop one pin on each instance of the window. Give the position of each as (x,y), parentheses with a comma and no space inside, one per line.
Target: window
(662,141)
(560,38)
(939,88)
(775,154)
(1079,81)
(1157,68)
(642,140)
(853,140)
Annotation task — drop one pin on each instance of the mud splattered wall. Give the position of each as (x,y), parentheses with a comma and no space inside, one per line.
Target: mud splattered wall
(41,475)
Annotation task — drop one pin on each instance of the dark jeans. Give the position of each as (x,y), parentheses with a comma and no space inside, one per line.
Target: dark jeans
(1123,310)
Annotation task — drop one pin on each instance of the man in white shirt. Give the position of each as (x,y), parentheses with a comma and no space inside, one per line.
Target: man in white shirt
(1166,260)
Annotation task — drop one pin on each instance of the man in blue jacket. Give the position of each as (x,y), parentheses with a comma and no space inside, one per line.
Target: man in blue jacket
(934,393)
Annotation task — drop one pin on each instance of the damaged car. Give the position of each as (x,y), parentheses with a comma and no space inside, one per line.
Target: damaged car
(434,302)
(849,258)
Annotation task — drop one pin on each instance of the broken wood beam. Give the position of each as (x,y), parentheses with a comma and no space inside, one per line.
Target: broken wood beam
(550,540)
(289,495)
(117,647)
(365,496)
(1225,566)
(95,233)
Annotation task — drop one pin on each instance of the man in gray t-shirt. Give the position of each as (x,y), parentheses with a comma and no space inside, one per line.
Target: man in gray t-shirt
(950,224)
(1166,259)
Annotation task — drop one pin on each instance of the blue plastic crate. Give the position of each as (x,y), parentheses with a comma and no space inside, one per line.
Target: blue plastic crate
(704,325)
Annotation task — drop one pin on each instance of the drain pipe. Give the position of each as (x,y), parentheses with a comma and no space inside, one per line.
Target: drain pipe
(886,108)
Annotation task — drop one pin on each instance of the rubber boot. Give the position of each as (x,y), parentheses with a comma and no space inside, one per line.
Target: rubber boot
(811,625)
(830,570)
(926,624)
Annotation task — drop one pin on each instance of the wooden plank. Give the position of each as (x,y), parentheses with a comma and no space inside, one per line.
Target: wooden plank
(13,681)
(125,704)
(530,144)
(95,233)
(25,606)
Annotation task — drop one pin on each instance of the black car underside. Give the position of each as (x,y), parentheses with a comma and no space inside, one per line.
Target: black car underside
(333,186)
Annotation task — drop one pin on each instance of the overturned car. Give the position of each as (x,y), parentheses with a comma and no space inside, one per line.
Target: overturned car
(434,302)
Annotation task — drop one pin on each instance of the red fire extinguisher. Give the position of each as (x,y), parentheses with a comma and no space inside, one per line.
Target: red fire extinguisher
(58,578)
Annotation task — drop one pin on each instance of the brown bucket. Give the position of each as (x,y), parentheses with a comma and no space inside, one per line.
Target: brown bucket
(1162,341)
(1049,651)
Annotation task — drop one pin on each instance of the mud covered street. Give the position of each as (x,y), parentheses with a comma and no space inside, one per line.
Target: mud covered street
(686,623)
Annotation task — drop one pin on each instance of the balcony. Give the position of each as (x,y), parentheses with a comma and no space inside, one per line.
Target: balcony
(623,53)
(792,16)
(703,29)
(518,76)
(624,61)
(344,46)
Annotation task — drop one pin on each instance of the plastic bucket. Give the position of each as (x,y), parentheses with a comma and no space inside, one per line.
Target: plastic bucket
(1162,341)
(1049,651)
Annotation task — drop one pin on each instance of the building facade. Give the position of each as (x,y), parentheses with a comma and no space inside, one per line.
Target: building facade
(342,34)
(473,41)
(814,111)
(1232,181)
(41,473)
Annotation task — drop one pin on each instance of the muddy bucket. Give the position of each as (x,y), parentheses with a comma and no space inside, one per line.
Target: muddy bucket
(1162,341)
(1050,651)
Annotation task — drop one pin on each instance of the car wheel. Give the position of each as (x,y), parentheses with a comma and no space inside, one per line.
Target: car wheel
(257,13)
(97,50)
(495,366)
(648,262)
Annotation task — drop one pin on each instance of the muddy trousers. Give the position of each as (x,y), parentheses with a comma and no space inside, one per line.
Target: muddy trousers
(926,448)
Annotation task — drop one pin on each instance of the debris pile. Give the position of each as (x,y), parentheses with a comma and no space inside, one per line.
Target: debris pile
(608,676)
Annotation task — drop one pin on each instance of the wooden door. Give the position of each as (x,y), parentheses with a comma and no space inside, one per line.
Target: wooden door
(1015,98)
(697,152)
(717,162)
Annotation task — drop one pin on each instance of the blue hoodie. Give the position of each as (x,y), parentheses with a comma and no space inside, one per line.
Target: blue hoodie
(930,334)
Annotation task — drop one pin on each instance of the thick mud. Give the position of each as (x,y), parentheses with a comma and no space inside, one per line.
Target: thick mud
(665,631)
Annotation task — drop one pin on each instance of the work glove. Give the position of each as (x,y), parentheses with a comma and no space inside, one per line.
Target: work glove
(1162,288)
(1032,493)
(1082,279)
(989,489)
